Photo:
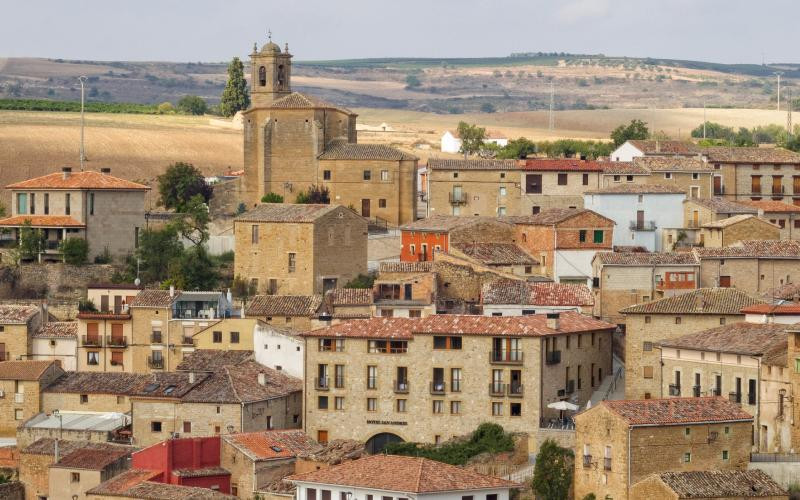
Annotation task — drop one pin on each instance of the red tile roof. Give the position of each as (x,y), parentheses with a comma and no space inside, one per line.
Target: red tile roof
(647,259)
(750,339)
(24,370)
(676,411)
(496,254)
(240,384)
(298,100)
(750,249)
(405,328)
(41,221)
(508,291)
(440,223)
(563,165)
(19,314)
(286,212)
(269,445)
(349,296)
(623,168)
(154,298)
(665,147)
(728,154)
(553,216)
(472,164)
(769,206)
(58,329)
(284,305)
(701,301)
(91,458)
(779,309)
(78,180)
(753,483)
(406,267)
(403,474)
(135,483)
(637,189)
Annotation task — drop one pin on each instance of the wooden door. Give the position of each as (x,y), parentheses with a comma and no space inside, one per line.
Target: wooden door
(724,281)
(322,437)
(117,304)
(717,185)
(116,331)
(640,218)
(2,351)
(104,303)
(365,207)
(796,184)
(695,218)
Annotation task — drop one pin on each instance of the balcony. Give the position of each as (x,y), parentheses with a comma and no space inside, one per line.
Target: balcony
(513,357)
(735,397)
(322,384)
(400,386)
(155,363)
(696,391)
(115,341)
(607,463)
(645,225)
(587,461)
(19,397)
(457,198)
(92,341)
(497,389)
(515,390)
(716,392)
(552,357)
(156,338)
(438,387)
(674,390)
(187,341)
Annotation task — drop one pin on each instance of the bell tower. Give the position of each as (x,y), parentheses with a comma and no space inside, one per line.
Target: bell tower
(270,73)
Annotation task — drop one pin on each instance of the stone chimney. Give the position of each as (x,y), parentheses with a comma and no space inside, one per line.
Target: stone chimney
(191,377)
(66,172)
(553,320)
(262,379)
(172,291)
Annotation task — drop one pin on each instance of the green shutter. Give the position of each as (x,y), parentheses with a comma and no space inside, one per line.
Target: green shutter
(598,236)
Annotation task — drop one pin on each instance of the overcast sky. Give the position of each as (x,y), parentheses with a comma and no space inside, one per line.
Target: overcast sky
(732,31)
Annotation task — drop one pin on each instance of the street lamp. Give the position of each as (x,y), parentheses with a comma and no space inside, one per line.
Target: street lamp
(82,79)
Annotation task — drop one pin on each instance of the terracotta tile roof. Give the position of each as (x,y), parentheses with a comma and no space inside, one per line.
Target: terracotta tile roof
(403,474)
(269,445)
(406,267)
(91,458)
(647,259)
(700,301)
(298,100)
(496,254)
(24,370)
(444,223)
(724,154)
(339,150)
(665,147)
(507,291)
(125,384)
(349,296)
(201,472)
(405,328)
(552,216)
(211,360)
(674,411)
(775,309)
(637,189)
(286,212)
(769,206)
(562,165)
(47,446)
(78,180)
(721,205)
(730,221)
(284,305)
(41,221)
(672,164)
(752,249)
(751,483)
(16,314)
(135,483)
(751,339)
(240,384)
(623,168)
(100,315)
(58,329)
(154,298)
(114,286)
(476,164)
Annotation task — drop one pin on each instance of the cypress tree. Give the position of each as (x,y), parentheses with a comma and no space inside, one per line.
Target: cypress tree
(235,96)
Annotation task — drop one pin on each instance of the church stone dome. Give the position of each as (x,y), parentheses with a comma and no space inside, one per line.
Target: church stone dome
(270,47)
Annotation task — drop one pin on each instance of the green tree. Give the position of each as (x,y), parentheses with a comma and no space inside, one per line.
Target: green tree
(193,222)
(194,269)
(552,475)
(157,249)
(517,149)
(472,137)
(179,184)
(314,195)
(235,97)
(361,281)
(75,251)
(31,241)
(412,81)
(272,198)
(192,105)
(243,289)
(713,131)
(636,129)
(744,137)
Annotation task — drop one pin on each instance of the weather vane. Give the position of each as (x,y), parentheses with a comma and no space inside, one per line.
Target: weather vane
(269,34)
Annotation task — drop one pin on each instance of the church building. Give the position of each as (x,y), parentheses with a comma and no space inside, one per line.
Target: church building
(293,141)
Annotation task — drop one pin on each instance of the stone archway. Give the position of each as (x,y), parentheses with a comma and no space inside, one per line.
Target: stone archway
(376,443)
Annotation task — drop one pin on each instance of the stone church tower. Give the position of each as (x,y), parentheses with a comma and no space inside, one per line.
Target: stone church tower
(293,141)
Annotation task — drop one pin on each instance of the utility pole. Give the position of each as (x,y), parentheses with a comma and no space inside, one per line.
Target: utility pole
(704,119)
(82,79)
(778,74)
(552,123)
(789,113)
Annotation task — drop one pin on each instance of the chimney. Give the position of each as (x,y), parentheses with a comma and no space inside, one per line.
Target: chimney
(66,171)
(699,303)
(553,320)
(191,377)
(262,379)
(55,451)
(105,170)
(658,146)
(172,291)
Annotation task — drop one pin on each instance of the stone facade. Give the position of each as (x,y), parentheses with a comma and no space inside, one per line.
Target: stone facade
(69,401)
(752,228)
(554,194)
(489,192)
(104,342)
(229,334)
(302,258)
(34,473)
(16,337)
(22,399)
(249,476)
(621,455)
(749,274)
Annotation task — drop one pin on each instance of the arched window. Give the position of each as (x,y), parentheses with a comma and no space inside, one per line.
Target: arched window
(262,76)
(280,76)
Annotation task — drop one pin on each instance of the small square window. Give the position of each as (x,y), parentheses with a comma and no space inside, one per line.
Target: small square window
(401,405)
(562,179)
(367,175)
(647,319)
(384,175)
(322,402)
(724,454)
(455,175)
(687,431)
(677,320)
(187,426)
(84,399)
(234,337)
(216,337)
(381,202)
(497,409)
(647,346)
(515,409)
(687,457)
(155,426)
(75,477)
(326,175)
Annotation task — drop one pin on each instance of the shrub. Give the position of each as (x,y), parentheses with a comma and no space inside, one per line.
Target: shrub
(166,108)
(75,106)
(192,105)
(314,194)
(103,258)
(75,251)
(86,305)
(242,208)
(552,475)
(488,437)
(361,281)
(272,198)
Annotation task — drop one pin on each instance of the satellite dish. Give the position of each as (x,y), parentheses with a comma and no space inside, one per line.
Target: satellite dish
(137,282)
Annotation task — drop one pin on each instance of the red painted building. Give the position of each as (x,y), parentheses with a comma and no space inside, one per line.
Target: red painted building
(422,238)
(185,462)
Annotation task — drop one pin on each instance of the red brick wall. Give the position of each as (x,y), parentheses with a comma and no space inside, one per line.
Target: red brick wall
(417,238)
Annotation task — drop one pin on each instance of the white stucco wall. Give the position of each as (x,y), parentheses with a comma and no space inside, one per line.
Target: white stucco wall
(573,264)
(361,493)
(64,350)
(626,152)
(516,309)
(275,349)
(666,210)
(450,143)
